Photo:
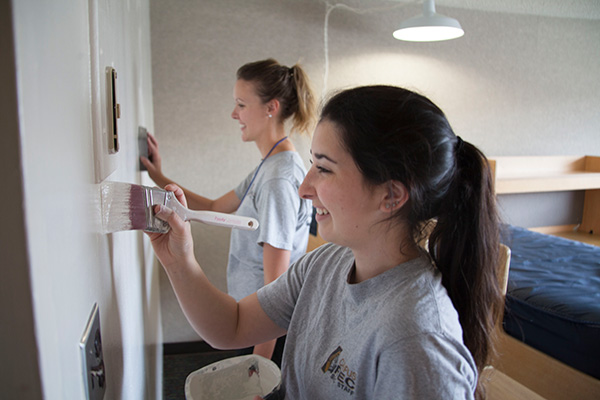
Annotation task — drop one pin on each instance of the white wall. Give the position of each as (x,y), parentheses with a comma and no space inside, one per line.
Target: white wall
(517,83)
(71,264)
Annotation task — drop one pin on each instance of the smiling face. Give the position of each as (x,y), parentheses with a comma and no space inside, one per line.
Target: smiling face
(250,111)
(347,207)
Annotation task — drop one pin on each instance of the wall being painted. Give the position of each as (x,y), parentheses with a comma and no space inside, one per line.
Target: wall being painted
(516,84)
(68,264)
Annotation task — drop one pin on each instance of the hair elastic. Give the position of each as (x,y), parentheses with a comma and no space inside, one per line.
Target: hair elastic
(458,145)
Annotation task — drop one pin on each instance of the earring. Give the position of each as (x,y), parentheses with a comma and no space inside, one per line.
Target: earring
(270,116)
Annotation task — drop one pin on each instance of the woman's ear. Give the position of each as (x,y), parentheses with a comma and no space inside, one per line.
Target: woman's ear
(395,198)
(273,107)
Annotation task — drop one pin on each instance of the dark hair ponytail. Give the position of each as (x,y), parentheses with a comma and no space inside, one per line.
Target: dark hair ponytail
(465,245)
(395,134)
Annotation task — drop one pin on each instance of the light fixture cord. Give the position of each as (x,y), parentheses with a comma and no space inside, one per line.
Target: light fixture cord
(328,9)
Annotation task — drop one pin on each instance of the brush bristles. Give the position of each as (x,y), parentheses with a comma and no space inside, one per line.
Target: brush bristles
(123,207)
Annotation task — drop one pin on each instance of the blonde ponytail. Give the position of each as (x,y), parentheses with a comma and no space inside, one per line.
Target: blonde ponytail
(305,115)
(290,86)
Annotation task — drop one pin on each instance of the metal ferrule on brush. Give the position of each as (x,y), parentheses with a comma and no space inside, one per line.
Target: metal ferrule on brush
(153,197)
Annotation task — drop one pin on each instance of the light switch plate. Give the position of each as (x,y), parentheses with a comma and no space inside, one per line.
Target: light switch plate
(94,376)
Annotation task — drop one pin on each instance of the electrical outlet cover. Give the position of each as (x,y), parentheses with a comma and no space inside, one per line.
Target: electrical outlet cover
(92,359)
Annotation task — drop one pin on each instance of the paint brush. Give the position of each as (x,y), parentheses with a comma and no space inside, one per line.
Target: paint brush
(127,207)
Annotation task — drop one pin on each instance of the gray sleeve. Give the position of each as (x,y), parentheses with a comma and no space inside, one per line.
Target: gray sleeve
(278,204)
(278,298)
(425,366)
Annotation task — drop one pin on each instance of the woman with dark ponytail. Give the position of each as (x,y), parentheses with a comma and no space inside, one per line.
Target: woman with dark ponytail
(373,315)
(397,135)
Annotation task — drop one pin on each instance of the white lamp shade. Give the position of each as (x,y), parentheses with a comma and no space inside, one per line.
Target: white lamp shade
(429,27)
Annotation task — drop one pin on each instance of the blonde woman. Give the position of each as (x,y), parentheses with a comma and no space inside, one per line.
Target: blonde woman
(266,95)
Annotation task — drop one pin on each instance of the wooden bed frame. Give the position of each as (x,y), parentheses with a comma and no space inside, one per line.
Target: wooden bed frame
(533,369)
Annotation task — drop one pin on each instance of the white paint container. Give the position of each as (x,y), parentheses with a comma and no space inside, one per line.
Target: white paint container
(236,378)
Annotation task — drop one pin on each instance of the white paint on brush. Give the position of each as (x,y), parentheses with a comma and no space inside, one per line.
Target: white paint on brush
(115,207)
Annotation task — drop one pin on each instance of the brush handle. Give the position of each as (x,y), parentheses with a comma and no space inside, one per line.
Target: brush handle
(211,217)
(222,219)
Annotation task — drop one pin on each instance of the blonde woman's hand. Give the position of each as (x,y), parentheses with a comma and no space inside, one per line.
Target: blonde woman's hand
(153,162)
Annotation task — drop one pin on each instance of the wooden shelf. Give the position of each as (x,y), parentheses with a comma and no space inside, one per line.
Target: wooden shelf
(537,174)
(545,173)
(551,183)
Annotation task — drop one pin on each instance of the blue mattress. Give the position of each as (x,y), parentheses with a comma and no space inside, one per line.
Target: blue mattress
(553,297)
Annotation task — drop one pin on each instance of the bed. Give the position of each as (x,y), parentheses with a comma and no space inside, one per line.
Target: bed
(553,297)
(551,330)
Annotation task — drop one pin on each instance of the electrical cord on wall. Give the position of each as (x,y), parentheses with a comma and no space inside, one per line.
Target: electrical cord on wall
(328,9)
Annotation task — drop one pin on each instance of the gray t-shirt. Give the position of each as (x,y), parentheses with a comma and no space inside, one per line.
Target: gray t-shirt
(394,336)
(283,217)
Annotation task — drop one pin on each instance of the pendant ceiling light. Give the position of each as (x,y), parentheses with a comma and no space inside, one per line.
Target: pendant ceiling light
(429,27)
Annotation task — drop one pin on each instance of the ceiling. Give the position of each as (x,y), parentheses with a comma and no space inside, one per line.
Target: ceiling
(580,9)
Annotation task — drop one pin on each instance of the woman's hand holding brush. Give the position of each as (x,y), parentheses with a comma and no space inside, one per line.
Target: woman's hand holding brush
(175,247)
